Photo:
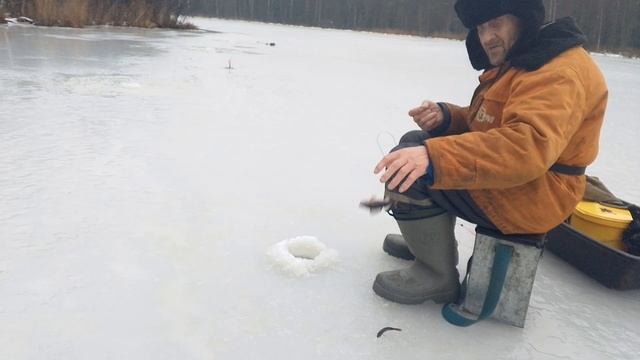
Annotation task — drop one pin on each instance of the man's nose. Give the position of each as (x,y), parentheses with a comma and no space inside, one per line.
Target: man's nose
(487,37)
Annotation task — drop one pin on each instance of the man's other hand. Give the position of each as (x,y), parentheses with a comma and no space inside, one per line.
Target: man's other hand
(428,116)
(406,164)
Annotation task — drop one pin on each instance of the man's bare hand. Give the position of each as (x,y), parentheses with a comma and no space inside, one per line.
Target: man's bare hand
(406,164)
(428,116)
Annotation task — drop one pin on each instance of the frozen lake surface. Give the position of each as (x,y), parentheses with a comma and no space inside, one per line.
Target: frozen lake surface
(142,182)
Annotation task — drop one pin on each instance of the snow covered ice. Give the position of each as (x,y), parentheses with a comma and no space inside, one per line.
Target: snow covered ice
(142,183)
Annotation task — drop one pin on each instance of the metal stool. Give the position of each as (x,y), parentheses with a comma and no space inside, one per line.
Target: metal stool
(499,279)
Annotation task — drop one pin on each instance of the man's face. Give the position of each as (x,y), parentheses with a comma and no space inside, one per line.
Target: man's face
(497,37)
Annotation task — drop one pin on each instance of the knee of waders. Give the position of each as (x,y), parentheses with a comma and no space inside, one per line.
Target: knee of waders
(414,136)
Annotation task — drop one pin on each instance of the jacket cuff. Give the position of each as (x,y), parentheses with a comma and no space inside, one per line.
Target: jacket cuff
(430,175)
(446,121)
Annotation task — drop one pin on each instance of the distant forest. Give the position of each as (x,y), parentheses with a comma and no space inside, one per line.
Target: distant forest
(610,25)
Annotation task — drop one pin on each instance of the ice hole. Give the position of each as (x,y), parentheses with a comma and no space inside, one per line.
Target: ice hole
(302,255)
(305,248)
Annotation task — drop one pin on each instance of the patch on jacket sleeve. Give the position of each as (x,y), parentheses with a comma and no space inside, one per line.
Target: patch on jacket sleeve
(483,117)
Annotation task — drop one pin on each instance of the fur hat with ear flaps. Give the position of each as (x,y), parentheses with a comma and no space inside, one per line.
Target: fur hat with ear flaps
(475,12)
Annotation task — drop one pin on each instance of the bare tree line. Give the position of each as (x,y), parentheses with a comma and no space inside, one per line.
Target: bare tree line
(612,25)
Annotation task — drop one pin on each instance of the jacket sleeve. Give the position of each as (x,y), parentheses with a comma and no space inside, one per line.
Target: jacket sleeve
(457,119)
(543,111)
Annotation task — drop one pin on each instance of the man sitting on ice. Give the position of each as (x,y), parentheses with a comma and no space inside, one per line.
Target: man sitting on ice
(512,160)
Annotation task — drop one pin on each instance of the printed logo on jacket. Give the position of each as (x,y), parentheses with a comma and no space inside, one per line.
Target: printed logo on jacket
(483,117)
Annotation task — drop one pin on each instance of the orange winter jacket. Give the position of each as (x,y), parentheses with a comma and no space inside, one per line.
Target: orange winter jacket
(519,124)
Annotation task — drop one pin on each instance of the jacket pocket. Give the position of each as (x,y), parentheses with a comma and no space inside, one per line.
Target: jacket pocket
(489,114)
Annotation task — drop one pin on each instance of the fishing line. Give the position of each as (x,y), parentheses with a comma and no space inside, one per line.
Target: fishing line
(373,204)
(380,147)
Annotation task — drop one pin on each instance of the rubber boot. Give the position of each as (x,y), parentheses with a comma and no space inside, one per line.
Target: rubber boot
(395,246)
(433,275)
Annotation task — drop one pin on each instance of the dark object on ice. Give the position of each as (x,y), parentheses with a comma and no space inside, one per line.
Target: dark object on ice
(631,236)
(385,329)
(375,205)
(270,44)
(613,268)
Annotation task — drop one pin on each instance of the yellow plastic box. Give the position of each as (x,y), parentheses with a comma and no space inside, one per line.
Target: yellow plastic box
(602,223)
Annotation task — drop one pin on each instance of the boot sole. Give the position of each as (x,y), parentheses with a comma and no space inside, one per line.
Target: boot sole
(441,298)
